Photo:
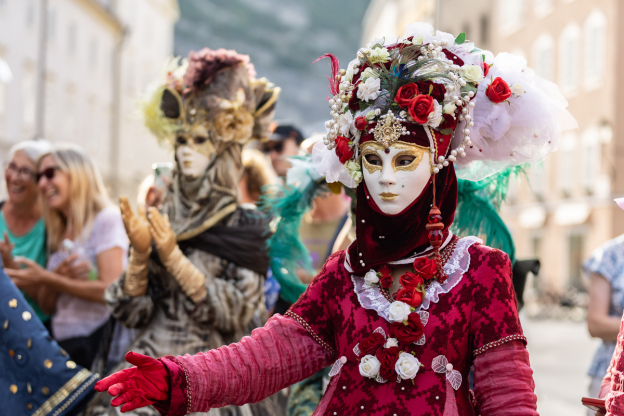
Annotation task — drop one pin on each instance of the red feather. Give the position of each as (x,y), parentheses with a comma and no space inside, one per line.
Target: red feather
(335,67)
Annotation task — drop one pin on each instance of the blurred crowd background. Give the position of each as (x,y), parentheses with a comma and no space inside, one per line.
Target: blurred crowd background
(73,71)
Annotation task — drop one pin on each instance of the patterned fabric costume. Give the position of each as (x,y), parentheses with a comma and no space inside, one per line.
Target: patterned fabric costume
(220,299)
(403,115)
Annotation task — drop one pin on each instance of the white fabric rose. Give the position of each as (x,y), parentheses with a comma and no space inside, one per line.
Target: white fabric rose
(369,366)
(517,89)
(435,117)
(345,121)
(369,89)
(449,108)
(398,311)
(379,55)
(352,69)
(371,277)
(391,342)
(368,73)
(407,366)
(472,73)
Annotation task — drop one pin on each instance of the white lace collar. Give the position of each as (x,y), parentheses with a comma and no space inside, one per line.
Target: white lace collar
(370,297)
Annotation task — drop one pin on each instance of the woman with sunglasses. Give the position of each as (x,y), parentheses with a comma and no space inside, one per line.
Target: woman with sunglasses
(80,219)
(22,231)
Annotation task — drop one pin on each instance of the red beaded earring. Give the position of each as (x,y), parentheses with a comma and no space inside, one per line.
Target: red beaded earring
(435,224)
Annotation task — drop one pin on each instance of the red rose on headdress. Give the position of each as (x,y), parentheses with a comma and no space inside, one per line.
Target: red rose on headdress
(411,280)
(420,108)
(360,123)
(409,333)
(411,296)
(354,102)
(386,281)
(437,90)
(498,91)
(448,122)
(406,94)
(425,267)
(388,358)
(370,344)
(343,150)
(486,69)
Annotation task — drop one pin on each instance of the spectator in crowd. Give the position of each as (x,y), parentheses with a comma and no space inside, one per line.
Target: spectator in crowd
(605,270)
(80,219)
(283,142)
(153,188)
(21,225)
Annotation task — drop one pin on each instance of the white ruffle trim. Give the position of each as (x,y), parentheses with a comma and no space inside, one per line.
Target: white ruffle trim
(370,297)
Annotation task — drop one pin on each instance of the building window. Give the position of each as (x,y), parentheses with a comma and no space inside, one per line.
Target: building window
(595,33)
(543,56)
(590,157)
(566,163)
(484,28)
(543,7)
(71,38)
(569,58)
(511,14)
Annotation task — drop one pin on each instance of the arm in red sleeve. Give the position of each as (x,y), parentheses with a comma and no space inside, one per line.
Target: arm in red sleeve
(503,381)
(615,376)
(272,358)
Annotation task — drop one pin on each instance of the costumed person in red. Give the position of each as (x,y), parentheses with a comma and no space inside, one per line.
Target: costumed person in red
(409,307)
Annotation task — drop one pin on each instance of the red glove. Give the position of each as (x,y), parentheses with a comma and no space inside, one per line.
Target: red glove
(138,386)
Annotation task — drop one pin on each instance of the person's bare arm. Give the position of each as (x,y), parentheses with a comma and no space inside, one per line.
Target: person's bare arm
(599,323)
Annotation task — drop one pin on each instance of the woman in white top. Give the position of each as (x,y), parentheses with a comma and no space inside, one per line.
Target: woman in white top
(80,219)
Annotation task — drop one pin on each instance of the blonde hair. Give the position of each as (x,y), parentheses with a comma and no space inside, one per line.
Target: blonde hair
(87,194)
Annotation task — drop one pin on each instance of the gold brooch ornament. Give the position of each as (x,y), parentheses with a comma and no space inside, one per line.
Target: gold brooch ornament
(388,130)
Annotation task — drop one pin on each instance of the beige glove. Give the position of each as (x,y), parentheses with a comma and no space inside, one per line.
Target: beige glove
(137,229)
(190,279)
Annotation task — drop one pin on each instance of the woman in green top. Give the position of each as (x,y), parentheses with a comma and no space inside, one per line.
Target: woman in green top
(22,232)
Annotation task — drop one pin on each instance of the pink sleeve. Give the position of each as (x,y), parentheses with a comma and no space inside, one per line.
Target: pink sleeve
(272,358)
(615,397)
(503,381)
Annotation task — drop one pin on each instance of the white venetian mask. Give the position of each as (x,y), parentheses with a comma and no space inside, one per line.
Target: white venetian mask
(194,153)
(395,176)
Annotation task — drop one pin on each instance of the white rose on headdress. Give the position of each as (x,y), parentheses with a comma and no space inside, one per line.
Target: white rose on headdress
(472,73)
(435,117)
(354,170)
(398,311)
(449,108)
(379,55)
(369,89)
(391,342)
(345,121)
(370,115)
(369,366)
(517,89)
(407,366)
(369,72)
(371,278)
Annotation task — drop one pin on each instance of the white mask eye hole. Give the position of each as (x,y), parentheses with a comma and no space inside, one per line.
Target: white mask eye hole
(404,160)
(373,159)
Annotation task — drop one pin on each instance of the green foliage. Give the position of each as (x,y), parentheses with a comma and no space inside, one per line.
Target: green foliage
(461,38)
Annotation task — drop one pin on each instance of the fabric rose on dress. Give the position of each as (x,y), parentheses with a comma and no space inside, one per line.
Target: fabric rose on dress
(406,94)
(399,311)
(425,267)
(409,333)
(410,295)
(369,366)
(386,276)
(360,123)
(433,89)
(391,342)
(498,91)
(343,150)
(407,366)
(411,280)
(371,278)
(387,358)
(420,108)
(371,343)
(472,73)
(369,89)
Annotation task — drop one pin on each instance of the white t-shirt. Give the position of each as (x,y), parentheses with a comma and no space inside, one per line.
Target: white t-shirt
(76,317)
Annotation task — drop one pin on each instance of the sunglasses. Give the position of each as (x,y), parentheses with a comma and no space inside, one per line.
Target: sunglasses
(277,147)
(47,172)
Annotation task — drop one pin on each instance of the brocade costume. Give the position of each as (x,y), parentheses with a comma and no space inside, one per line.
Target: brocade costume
(213,294)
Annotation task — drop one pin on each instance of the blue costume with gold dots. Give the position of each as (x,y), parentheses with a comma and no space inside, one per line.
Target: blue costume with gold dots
(37,378)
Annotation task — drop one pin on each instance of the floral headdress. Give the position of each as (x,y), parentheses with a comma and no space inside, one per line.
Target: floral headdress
(481,113)
(217,89)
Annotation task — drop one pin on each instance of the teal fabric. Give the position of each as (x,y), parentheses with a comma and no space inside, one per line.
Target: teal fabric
(32,246)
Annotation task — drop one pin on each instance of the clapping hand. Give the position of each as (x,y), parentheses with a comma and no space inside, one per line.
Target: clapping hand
(137,227)
(138,386)
(31,275)
(6,251)
(164,237)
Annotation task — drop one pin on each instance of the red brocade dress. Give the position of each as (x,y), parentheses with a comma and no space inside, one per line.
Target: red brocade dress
(469,319)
